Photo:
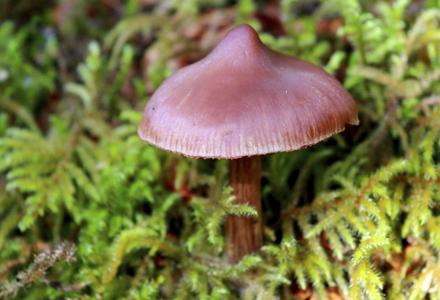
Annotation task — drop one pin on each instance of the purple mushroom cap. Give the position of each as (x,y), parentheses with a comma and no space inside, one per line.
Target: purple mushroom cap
(245,99)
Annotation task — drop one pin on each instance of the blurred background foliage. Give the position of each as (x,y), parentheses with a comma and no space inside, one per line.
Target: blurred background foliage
(87,211)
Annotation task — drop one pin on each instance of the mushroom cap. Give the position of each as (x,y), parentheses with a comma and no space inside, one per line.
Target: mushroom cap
(245,99)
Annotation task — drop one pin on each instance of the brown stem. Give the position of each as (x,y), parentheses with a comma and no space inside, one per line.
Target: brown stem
(244,235)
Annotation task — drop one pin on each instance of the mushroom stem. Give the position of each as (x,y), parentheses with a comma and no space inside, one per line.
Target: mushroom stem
(244,235)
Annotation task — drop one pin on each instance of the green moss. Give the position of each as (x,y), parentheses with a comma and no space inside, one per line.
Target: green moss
(110,217)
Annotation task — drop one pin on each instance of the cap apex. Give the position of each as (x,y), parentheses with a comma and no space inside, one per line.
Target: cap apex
(242,38)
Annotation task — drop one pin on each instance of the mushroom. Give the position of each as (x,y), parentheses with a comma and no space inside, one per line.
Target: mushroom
(241,101)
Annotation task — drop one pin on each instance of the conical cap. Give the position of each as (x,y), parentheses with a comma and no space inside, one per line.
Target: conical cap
(245,99)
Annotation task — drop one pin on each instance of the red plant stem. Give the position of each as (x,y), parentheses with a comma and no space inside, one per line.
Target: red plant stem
(244,235)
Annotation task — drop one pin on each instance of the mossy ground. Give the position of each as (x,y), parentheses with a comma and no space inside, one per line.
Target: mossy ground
(87,211)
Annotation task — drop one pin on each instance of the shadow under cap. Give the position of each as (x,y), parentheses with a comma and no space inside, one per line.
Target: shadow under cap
(245,99)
